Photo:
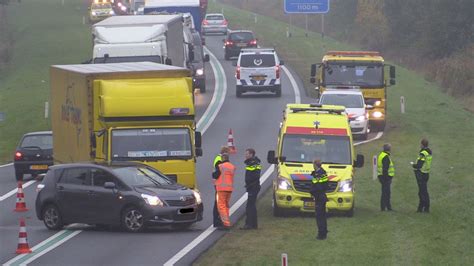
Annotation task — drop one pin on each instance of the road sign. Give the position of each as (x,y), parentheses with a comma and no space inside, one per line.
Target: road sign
(306,6)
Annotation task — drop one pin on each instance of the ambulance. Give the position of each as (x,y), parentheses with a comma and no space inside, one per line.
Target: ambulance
(309,132)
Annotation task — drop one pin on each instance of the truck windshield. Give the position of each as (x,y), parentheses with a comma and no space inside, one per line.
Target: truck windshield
(151,144)
(369,75)
(126,59)
(307,148)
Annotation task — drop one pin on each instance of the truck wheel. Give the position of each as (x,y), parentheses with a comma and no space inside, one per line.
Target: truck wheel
(278,92)
(52,217)
(133,220)
(350,213)
(277,211)
(238,92)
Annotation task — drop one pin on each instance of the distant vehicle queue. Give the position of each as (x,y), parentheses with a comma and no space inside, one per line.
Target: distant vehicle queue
(116,113)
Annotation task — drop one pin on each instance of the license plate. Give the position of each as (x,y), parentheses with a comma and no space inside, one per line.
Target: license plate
(309,204)
(241,44)
(258,78)
(39,167)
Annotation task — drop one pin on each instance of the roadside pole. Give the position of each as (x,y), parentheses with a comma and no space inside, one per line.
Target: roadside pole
(402,104)
(374,167)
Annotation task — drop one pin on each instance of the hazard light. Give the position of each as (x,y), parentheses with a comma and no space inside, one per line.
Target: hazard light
(237,73)
(179,111)
(353,53)
(18,156)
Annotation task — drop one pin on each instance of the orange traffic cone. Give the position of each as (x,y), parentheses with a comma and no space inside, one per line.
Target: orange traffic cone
(230,143)
(23,239)
(20,199)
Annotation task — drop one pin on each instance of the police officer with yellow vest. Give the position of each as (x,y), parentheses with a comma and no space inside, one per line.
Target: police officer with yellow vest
(385,172)
(218,160)
(422,169)
(319,187)
(252,184)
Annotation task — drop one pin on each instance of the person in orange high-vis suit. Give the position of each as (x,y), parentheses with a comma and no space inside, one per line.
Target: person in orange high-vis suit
(224,180)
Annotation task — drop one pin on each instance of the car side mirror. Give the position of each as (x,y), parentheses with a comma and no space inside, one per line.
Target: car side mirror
(207,58)
(109,185)
(271,157)
(198,152)
(198,139)
(234,63)
(168,62)
(359,162)
(313,71)
(282,62)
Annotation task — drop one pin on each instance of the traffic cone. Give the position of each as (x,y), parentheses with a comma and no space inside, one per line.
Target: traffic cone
(20,199)
(230,143)
(23,247)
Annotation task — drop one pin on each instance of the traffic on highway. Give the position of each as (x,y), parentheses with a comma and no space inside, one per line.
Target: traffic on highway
(165,137)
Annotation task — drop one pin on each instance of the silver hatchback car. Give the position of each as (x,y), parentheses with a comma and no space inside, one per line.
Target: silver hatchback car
(214,23)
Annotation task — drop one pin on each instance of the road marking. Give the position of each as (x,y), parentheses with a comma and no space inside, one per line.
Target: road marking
(378,136)
(218,97)
(5,165)
(241,200)
(202,125)
(13,191)
(211,228)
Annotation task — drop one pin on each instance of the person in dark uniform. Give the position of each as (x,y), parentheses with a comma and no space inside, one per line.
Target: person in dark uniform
(217,222)
(252,184)
(385,172)
(422,169)
(319,186)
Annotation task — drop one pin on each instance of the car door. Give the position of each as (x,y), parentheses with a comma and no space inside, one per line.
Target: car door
(106,202)
(73,189)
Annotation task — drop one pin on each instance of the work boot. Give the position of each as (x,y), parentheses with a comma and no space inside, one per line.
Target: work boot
(321,237)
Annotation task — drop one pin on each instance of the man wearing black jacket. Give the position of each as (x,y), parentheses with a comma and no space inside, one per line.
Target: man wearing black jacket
(319,186)
(422,169)
(385,172)
(252,184)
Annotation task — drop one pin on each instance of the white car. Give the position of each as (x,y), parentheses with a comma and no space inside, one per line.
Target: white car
(353,101)
(214,23)
(258,70)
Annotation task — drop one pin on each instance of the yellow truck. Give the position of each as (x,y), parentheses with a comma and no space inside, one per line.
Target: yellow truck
(141,112)
(99,10)
(309,132)
(364,69)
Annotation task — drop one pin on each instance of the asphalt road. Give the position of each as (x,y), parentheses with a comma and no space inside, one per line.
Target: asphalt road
(254,120)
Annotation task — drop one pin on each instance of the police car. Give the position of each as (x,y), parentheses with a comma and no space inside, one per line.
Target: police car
(258,70)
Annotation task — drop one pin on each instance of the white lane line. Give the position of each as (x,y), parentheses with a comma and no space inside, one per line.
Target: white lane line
(206,113)
(211,228)
(293,84)
(13,191)
(242,199)
(5,165)
(378,136)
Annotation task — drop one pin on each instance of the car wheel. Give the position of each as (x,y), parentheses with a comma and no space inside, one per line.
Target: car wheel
(18,175)
(238,92)
(277,211)
(350,213)
(52,217)
(133,220)
(181,226)
(278,92)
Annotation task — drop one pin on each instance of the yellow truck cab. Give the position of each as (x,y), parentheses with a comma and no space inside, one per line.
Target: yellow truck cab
(99,10)
(309,132)
(365,69)
(141,112)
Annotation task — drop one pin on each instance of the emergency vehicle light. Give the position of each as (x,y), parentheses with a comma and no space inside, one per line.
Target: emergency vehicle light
(353,53)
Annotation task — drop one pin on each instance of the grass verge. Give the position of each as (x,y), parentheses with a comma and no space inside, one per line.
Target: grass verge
(403,237)
(44,33)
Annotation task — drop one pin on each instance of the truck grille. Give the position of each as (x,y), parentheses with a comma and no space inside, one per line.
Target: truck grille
(305,186)
(188,200)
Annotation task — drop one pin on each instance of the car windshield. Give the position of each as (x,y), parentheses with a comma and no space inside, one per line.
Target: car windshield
(257,60)
(43,142)
(346,100)
(141,176)
(307,148)
(101,6)
(241,36)
(214,17)
(151,144)
(126,59)
(351,74)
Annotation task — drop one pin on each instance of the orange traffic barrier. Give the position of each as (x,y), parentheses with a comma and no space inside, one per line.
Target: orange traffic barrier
(230,143)
(23,247)
(20,199)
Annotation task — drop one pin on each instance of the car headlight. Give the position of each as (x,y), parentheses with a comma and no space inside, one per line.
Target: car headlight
(377,114)
(377,103)
(94,13)
(111,12)
(124,8)
(345,186)
(200,72)
(283,184)
(197,196)
(152,200)
(360,118)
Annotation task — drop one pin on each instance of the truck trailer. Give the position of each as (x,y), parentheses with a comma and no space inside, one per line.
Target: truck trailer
(192,7)
(141,112)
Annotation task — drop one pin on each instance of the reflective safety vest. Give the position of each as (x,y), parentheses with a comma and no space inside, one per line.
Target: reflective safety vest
(426,157)
(217,159)
(253,167)
(322,179)
(226,179)
(391,168)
